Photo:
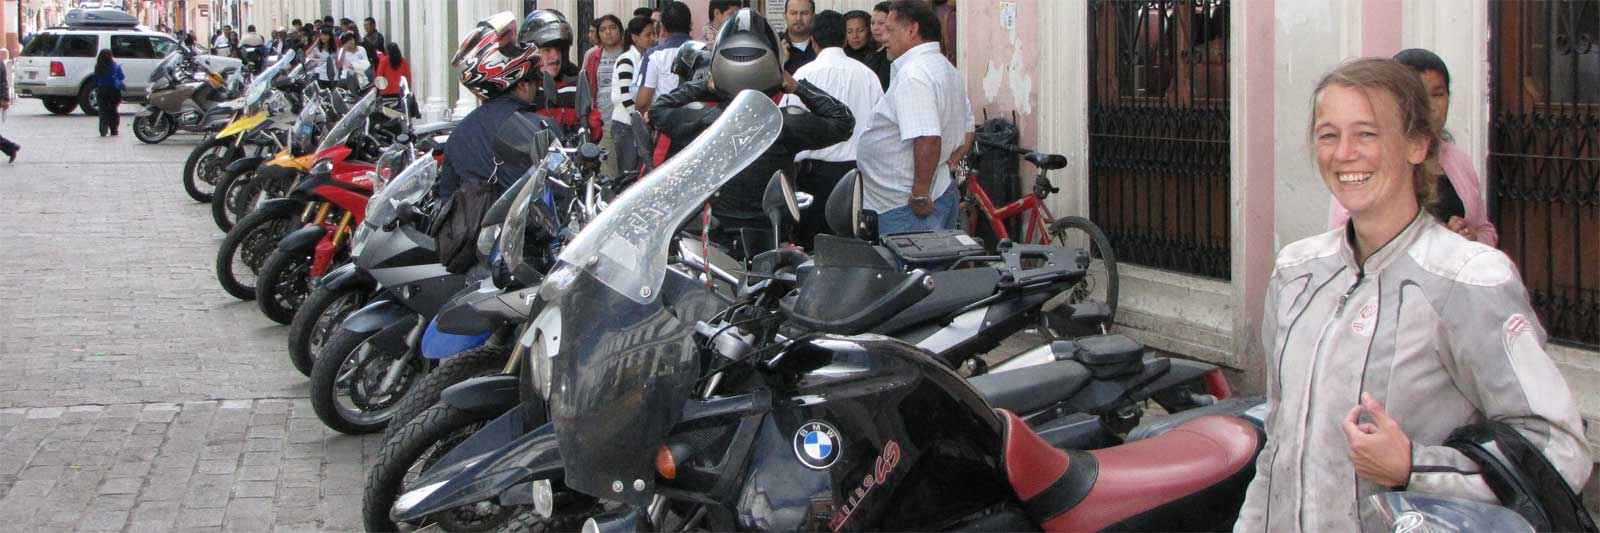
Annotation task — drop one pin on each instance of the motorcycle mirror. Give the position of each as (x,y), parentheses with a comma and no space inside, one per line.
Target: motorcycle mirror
(843,211)
(776,202)
(584,102)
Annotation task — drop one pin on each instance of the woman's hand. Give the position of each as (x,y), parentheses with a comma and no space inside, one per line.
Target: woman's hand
(1379,449)
(1459,225)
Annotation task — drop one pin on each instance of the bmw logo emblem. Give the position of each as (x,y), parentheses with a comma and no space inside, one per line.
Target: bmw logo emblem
(817,445)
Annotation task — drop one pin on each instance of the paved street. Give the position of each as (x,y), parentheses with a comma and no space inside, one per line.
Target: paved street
(138,395)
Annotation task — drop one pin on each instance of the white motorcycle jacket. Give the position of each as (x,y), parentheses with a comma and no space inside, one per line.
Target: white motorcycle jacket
(1439,330)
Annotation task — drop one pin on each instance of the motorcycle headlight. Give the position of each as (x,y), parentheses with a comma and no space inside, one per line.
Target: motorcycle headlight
(358,242)
(487,238)
(322,168)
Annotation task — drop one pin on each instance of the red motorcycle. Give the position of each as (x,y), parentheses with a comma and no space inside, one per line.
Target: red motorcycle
(334,194)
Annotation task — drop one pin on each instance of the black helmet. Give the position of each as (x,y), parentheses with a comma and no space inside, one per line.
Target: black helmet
(692,61)
(545,28)
(746,56)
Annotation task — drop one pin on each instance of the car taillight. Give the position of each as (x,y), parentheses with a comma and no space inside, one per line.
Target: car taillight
(58,70)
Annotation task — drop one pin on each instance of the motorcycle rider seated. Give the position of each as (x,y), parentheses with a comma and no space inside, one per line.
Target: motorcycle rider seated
(502,73)
(548,31)
(746,57)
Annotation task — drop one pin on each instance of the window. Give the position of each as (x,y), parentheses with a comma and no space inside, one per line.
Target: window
(43,44)
(164,46)
(78,46)
(132,47)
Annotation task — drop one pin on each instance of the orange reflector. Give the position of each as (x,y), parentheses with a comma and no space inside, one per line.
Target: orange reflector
(1218,384)
(665,464)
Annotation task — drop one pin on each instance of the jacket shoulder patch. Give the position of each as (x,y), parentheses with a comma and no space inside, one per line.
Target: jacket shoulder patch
(1450,256)
(1309,248)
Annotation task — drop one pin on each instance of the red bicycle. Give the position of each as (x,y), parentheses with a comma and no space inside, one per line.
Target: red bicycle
(1092,301)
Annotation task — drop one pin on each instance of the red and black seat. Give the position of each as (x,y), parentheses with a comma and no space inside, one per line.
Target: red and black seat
(1089,491)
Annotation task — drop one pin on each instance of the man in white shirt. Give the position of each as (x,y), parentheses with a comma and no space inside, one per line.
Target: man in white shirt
(922,124)
(851,83)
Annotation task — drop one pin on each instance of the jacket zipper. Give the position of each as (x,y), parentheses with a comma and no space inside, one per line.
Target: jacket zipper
(1360,275)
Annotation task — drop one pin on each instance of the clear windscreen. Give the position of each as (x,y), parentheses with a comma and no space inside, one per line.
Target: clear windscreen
(350,122)
(626,246)
(262,84)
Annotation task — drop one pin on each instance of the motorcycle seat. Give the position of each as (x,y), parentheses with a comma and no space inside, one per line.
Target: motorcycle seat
(1090,491)
(952,290)
(1034,388)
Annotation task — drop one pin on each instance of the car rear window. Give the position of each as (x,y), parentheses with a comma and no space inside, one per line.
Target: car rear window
(43,44)
(78,46)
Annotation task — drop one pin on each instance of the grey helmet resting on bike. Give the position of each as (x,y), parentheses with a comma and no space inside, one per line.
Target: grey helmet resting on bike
(746,56)
(693,61)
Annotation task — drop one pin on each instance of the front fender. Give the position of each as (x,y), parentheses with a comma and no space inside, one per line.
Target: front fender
(148,110)
(483,395)
(302,240)
(347,275)
(449,485)
(281,206)
(245,164)
(376,316)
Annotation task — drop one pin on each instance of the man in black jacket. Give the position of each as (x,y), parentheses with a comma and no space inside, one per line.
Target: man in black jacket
(682,115)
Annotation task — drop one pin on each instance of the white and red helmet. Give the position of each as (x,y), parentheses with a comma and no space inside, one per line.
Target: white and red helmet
(491,59)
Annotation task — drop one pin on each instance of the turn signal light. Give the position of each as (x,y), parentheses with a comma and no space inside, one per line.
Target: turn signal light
(1218,384)
(666,465)
(57,70)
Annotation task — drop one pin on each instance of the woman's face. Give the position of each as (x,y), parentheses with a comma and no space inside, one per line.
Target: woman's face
(1438,97)
(880,27)
(610,34)
(1363,154)
(855,34)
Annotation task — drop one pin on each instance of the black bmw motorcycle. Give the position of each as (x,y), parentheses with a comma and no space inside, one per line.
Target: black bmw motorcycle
(653,427)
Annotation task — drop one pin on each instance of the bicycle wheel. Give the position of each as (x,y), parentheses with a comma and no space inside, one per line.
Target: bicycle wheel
(1100,282)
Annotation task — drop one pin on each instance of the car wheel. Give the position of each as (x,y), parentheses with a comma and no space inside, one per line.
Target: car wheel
(60,105)
(88,101)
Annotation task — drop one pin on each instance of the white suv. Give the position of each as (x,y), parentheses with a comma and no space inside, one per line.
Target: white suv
(57,65)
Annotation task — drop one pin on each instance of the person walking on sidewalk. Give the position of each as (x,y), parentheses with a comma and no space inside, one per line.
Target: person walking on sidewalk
(6,146)
(108,90)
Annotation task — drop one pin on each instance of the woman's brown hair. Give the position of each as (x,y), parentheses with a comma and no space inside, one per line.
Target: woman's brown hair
(1411,101)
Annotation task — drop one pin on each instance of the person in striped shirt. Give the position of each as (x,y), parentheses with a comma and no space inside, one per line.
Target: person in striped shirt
(641,36)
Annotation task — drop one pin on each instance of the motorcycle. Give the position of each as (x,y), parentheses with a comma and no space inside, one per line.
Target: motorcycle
(248,181)
(183,95)
(651,427)
(258,129)
(242,256)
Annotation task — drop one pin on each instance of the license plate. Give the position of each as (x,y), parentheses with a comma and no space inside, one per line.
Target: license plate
(33,74)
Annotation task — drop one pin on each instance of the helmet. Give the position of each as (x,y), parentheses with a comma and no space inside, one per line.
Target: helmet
(692,61)
(545,28)
(746,56)
(491,60)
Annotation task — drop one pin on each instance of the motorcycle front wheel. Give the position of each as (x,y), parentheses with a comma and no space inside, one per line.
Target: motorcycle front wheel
(415,448)
(347,382)
(318,317)
(284,283)
(205,167)
(246,248)
(234,197)
(154,128)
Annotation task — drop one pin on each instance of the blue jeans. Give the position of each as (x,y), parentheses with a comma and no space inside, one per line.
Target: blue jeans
(903,220)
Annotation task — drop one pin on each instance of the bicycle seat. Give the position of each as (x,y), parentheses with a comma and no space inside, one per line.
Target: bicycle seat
(1046,161)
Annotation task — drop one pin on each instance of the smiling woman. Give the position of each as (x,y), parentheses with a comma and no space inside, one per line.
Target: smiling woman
(1396,331)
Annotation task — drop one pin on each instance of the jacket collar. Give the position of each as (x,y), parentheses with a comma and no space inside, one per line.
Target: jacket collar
(1387,253)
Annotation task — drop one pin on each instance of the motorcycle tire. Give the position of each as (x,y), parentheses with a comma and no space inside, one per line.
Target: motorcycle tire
(422,441)
(204,166)
(253,239)
(1079,233)
(486,360)
(317,319)
(233,198)
(152,129)
(341,347)
(284,283)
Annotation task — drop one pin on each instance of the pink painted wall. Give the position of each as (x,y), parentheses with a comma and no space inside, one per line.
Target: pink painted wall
(1001,63)
(1380,27)
(1260,169)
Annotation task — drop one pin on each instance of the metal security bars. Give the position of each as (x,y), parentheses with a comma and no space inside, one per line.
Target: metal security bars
(1544,157)
(1158,132)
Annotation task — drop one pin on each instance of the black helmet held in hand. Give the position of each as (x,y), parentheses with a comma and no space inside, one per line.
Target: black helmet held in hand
(546,28)
(746,56)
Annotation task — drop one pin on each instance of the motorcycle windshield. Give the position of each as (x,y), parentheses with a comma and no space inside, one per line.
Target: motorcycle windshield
(166,65)
(349,123)
(627,354)
(261,85)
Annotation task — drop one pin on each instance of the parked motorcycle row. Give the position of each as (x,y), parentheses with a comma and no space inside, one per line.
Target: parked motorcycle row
(606,365)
